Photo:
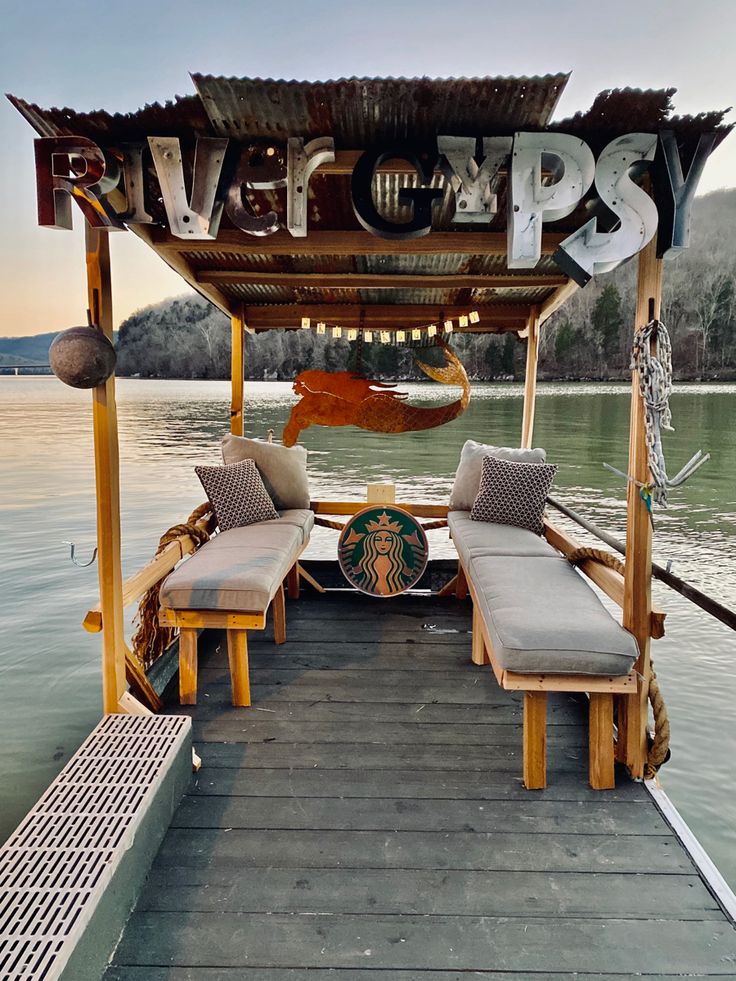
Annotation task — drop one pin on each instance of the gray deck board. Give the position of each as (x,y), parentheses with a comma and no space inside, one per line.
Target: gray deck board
(365,821)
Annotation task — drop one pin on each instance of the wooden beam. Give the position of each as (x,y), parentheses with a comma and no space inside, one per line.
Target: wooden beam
(352,507)
(107,480)
(381,281)
(553,303)
(397,316)
(530,378)
(638,576)
(356,242)
(237,375)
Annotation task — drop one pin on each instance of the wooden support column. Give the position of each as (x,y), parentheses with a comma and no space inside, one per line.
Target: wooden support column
(237,375)
(530,379)
(535,740)
(632,720)
(107,479)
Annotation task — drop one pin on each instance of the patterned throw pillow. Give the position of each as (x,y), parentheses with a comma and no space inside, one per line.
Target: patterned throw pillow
(513,493)
(237,494)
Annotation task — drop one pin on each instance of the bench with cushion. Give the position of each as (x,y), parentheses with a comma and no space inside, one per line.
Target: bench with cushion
(542,628)
(230,584)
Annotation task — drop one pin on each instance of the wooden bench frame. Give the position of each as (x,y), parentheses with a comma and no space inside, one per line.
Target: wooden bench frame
(237,624)
(601,690)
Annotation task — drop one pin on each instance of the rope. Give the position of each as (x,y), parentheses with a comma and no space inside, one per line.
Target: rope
(579,555)
(151,639)
(327,523)
(651,358)
(659,751)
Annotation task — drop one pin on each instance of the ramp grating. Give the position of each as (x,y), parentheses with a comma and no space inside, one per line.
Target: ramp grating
(57,863)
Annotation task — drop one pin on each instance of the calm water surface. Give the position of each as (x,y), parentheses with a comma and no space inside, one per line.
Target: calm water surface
(50,668)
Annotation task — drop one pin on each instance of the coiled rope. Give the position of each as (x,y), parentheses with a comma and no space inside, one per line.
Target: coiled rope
(151,639)
(659,750)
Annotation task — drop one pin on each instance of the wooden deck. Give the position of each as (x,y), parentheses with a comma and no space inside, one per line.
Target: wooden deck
(365,821)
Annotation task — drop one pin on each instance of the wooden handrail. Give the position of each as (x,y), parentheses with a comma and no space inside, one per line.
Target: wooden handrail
(141,581)
(607,579)
(352,507)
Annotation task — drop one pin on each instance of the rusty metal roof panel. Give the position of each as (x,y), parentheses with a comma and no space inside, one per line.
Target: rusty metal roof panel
(360,111)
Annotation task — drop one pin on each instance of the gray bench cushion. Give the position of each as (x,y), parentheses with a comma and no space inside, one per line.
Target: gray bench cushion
(476,538)
(543,618)
(238,570)
(302,518)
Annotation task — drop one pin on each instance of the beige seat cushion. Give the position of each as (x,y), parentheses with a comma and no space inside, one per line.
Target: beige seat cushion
(542,617)
(467,479)
(283,469)
(302,518)
(238,570)
(475,538)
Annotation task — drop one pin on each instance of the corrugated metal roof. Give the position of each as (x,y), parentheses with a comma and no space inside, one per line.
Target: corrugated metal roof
(357,112)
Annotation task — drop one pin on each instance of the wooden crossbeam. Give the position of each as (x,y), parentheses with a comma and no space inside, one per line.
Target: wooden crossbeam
(357,281)
(498,318)
(346,243)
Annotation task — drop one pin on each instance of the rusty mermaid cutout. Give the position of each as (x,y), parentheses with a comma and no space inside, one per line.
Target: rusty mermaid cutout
(343,399)
(382,550)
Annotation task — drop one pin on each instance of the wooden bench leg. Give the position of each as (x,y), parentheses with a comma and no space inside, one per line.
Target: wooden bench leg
(279,616)
(292,581)
(187,666)
(600,741)
(461,583)
(478,649)
(535,740)
(237,655)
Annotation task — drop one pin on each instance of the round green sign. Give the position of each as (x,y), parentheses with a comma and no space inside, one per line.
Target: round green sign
(383,550)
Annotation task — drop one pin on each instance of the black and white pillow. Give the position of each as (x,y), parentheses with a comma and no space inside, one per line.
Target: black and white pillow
(513,493)
(237,494)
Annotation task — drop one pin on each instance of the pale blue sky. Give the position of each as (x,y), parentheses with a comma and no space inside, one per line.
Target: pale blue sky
(120,56)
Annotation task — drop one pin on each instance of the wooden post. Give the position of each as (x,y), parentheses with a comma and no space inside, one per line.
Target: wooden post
(600,741)
(530,378)
(534,739)
(237,375)
(237,655)
(632,721)
(107,476)
(188,666)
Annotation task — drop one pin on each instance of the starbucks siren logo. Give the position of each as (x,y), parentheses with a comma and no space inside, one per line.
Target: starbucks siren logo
(383,550)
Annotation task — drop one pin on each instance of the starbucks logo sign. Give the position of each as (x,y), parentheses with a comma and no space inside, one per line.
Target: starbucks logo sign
(383,550)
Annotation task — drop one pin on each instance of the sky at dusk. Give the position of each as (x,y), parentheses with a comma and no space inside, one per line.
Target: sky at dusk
(120,56)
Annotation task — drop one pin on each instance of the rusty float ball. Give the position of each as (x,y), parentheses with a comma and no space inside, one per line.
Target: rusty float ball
(82,357)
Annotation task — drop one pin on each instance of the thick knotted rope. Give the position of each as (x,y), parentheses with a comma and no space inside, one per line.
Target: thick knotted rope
(151,639)
(659,751)
(660,746)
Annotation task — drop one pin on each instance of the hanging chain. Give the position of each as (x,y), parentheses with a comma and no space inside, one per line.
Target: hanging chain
(651,358)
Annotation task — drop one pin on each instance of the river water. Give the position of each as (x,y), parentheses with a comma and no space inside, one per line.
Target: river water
(50,668)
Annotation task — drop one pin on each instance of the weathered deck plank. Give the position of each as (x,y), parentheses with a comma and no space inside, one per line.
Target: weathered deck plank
(365,821)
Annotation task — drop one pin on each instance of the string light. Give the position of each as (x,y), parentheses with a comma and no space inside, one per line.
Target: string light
(397,336)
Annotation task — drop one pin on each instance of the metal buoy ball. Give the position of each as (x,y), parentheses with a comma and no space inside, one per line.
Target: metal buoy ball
(82,357)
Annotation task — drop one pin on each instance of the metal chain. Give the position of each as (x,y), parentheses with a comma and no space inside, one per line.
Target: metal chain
(651,358)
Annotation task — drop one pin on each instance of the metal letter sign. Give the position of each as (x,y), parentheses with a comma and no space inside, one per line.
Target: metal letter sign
(531,202)
(58,158)
(474,201)
(673,193)
(423,159)
(197,216)
(256,167)
(302,162)
(588,251)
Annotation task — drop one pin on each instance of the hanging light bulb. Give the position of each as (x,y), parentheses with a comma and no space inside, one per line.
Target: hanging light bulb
(448,327)
(474,317)
(463,321)
(352,334)
(337,333)
(368,336)
(400,336)
(306,322)
(432,330)
(385,337)
(321,328)
(416,334)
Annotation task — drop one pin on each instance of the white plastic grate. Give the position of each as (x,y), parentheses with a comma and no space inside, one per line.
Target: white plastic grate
(56,864)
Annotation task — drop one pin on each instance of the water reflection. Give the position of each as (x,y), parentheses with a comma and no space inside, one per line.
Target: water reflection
(50,668)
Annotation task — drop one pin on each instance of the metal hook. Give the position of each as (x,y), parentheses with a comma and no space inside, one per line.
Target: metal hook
(72,550)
